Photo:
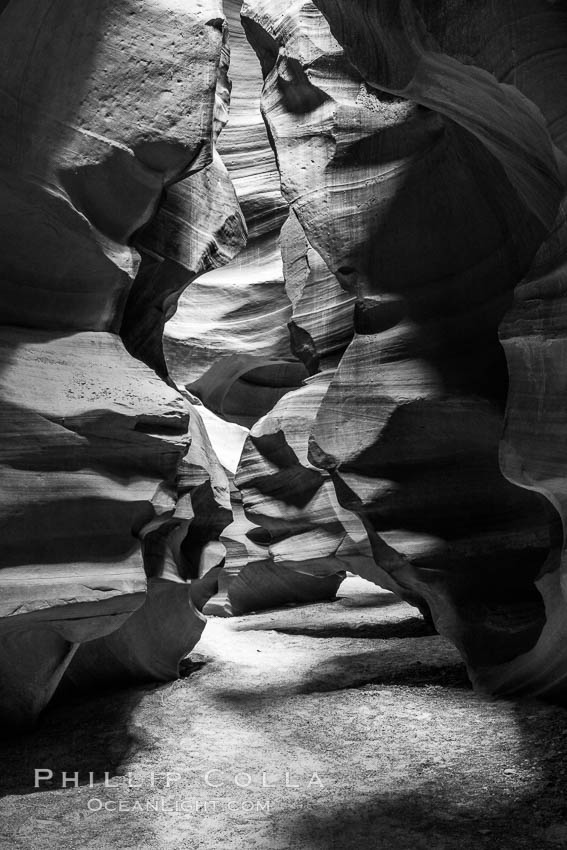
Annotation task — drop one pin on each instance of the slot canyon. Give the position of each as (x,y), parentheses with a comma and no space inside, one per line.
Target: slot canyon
(283,395)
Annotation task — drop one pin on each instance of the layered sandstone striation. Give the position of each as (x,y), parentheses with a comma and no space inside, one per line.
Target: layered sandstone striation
(247,334)
(366,373)
(113,200)
(229,341)
(419,146)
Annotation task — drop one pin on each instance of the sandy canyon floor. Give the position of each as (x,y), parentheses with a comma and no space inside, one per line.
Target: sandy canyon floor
(339,725)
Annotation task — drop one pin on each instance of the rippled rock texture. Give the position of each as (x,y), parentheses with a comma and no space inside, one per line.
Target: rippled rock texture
(113,200)
(247,334)
(371,380)
(229,340)
(420,147)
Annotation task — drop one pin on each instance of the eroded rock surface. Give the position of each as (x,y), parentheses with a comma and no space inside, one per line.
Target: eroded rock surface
(391,333)
(229,341)
(113,200)
(419,147)
(246,334)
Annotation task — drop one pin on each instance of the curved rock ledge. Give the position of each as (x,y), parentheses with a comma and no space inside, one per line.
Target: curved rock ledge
(116,200)
(427,186)
(373,384)
(228,341)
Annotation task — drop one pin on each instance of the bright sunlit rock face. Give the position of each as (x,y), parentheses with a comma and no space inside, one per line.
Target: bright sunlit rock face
(229,339)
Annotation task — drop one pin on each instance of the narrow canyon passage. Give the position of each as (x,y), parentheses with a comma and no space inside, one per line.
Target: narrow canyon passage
(344,724)
(283,300)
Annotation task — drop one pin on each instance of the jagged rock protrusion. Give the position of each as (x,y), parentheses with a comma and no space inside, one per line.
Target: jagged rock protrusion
(426,185)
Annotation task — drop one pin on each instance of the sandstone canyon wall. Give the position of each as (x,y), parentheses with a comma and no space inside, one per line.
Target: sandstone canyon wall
(113,200)
(243,336)
(420,147)
(247,347)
